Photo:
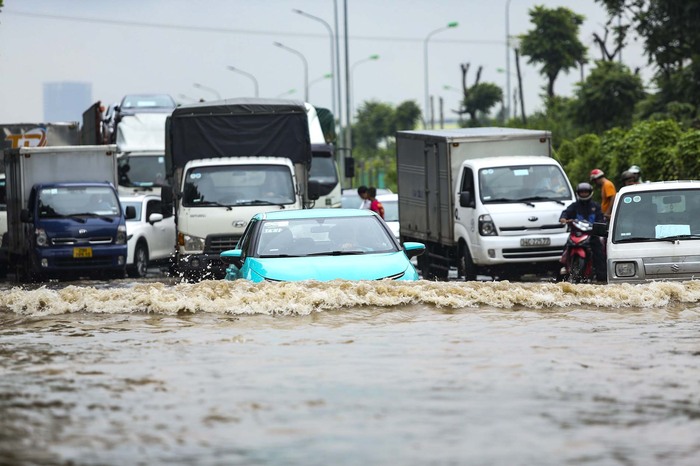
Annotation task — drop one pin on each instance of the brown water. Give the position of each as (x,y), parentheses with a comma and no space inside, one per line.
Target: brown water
(220,373)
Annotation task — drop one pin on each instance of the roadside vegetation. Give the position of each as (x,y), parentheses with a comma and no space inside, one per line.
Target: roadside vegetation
(612,120)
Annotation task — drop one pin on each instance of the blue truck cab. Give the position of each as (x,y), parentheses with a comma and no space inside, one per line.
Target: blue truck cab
(75,228)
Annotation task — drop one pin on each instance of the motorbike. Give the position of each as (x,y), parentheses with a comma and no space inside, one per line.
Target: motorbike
(577,258)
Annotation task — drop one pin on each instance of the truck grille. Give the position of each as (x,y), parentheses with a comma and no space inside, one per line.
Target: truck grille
(554,226)
(219,243)
(533,253)
(74,241)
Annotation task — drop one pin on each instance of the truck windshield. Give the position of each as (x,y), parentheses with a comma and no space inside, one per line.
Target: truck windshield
(657,215)
(141,170)
(69,201)
(523,183)
(232,185)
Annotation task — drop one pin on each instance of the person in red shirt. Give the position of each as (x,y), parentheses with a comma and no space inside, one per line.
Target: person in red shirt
(375,205)
(607,191)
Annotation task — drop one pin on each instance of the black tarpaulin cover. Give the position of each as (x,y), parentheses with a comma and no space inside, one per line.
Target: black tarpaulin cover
(242,127)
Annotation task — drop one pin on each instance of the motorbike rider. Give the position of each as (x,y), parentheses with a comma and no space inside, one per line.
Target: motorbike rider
(585,208)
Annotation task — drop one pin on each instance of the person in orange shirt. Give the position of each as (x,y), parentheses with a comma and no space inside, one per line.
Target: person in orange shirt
(607,191)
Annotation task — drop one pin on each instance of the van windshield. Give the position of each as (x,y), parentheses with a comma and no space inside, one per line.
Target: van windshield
(69,201)
(657,215)
(523,183)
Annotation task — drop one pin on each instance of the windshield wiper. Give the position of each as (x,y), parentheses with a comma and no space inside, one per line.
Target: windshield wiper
(255,202)
(540,198)
(500,199)
(677,237)
(643,239)
(274,256)
(213,203)
(337,253)
(106,218)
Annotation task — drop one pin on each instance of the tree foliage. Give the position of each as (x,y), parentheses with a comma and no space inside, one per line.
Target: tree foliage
(553,43)
(607,98)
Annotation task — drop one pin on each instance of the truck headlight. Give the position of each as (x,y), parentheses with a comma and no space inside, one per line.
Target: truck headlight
(625,269)
(121,234)
(486,226)
(190,243)
(41,238)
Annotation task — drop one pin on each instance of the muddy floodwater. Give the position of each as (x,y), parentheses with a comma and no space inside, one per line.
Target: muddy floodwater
(370,373)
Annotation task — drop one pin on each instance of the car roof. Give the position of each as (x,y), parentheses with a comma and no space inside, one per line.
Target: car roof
(661,185)
(313,213)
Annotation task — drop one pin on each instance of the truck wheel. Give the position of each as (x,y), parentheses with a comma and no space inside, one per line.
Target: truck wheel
(140,266)
(467,265)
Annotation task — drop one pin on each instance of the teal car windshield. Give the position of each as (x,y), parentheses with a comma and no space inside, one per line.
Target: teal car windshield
(323,236)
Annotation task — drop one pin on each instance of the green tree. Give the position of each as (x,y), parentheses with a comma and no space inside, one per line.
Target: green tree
(553,43)
(375,121)
(607,97)
(480,99)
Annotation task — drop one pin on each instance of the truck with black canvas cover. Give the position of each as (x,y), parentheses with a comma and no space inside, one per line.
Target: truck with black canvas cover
(227,161)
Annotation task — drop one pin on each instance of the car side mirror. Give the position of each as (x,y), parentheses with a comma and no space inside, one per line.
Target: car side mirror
(413,249)
(314,190)
(155,217)
(600,229)
(130,212)
(25,216)
(232,256)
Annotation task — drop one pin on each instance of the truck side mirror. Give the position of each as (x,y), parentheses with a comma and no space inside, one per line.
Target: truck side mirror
(600,229)
(465,199)
(349,167)
(167,203)
(314,190)
(25,216)
(130,212)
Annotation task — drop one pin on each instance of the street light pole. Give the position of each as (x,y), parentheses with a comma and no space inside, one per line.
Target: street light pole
(426,116)
(245,73)
(286,93)
(319,79)
(352,85)
(330,33)
(207,88)
(306,67)
(508,58)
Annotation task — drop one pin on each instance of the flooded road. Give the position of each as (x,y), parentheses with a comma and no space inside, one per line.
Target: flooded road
(220,373)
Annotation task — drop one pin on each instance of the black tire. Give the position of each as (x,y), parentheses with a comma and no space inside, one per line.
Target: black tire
(467,265)
(140,266)
(576,270)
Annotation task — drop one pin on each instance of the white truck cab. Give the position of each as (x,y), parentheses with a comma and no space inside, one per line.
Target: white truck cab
(654,233)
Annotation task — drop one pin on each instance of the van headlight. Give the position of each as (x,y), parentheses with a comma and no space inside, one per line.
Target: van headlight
(625,269)
(121,234)
(486,226)
(41,238)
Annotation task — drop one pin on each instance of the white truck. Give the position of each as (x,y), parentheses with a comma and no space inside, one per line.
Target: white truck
(227,161)
(654,233)
(324,167)
(64,218)
(484,200)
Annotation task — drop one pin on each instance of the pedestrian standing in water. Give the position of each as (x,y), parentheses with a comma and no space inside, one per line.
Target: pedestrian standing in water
(362,192)
(375,205)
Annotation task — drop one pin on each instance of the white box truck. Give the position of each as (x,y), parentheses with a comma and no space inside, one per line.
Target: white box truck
(484,200)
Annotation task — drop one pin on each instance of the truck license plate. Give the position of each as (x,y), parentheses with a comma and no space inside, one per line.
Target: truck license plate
(534,241)
(82,252)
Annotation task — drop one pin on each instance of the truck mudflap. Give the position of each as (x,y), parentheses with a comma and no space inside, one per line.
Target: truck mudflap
(196,267)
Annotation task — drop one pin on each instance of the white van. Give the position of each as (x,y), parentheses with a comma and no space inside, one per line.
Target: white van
(654,233)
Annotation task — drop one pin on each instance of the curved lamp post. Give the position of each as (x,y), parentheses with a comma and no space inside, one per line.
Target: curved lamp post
(209,89)
(451,25)
(245,73)
(306,67)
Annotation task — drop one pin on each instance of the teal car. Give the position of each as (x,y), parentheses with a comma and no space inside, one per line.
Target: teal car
(320,244)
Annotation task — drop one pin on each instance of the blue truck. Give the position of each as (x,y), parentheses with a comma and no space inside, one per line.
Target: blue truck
(64,218)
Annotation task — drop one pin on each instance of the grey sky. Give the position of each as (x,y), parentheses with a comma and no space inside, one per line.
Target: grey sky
(134,46)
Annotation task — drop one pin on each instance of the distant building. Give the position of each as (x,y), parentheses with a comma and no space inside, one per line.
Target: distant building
(66,101)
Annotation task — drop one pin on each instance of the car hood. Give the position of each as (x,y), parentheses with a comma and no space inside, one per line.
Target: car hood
(325,268)
(519,216)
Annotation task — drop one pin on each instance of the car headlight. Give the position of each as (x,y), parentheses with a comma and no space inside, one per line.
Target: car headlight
(41,238)
(121,235)
(486,226)
(190,243)
(625,269)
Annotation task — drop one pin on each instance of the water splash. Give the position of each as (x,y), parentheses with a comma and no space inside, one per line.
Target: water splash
(304,298)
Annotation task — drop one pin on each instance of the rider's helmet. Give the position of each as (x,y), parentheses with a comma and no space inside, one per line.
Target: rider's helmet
(596,173)
(627,176)
(636,172)
(584,191)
